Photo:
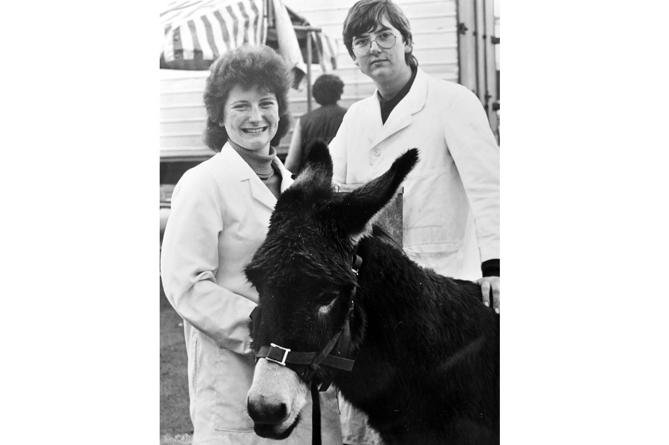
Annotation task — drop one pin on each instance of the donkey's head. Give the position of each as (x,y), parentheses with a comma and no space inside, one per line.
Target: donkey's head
(303,273)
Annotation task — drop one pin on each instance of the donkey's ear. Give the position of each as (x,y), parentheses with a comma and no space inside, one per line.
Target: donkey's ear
(360,206)
(317,165)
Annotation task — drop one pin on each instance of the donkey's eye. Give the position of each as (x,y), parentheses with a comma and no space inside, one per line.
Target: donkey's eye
(326,302)
(326,297)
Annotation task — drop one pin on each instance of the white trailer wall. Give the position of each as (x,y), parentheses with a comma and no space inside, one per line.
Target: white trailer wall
(434,27)
(479,53)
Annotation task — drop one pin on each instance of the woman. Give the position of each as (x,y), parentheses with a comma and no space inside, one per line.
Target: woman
(321,123)
(220,215)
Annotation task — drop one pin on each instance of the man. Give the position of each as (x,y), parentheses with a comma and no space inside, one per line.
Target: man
(451,199)
(321,123)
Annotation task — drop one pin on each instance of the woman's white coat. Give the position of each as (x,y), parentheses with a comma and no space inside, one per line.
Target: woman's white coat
(220,216)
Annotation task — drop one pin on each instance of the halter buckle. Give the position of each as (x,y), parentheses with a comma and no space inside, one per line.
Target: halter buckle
(275,349)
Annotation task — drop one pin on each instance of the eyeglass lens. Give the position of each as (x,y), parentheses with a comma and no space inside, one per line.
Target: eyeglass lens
(385,41)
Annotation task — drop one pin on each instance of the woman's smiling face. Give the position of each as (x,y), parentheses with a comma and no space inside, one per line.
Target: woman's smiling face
(251,117)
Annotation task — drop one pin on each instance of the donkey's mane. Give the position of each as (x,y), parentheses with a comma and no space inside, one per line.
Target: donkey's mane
(296,237)
(379,232)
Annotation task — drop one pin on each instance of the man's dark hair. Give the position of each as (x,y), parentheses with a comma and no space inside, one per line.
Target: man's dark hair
(328,89)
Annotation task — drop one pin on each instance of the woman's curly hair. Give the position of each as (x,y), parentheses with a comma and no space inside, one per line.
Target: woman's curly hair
(328,89)
(248,66)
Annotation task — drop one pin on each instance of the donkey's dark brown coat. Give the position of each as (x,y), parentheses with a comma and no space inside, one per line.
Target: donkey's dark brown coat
(426,348)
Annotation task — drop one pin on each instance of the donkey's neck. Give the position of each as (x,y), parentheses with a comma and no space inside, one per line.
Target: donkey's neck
(399,295)
(415,321)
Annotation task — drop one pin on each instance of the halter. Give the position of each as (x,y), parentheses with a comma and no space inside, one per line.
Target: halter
(307,364)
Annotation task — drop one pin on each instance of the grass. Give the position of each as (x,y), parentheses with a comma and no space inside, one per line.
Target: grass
(175,424)
(178,439)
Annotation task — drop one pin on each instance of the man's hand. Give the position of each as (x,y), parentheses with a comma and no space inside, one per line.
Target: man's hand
(489,284)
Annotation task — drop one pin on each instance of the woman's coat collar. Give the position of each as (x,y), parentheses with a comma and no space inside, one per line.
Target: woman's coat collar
(239,170)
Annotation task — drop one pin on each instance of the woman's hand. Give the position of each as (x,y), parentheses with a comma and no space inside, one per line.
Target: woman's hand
(489,284)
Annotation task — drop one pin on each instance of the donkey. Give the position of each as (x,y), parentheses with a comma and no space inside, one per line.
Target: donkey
(426,349)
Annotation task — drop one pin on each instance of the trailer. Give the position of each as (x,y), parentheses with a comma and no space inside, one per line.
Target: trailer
(454,40)
(194,34)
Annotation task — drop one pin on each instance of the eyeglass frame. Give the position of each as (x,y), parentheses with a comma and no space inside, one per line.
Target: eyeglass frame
(369,45)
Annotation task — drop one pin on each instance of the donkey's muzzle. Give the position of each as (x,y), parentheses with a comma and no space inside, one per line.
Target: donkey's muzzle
(268,418)
(264,413)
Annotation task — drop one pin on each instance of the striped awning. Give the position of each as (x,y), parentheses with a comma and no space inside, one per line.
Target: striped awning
(325,48)
(198,31)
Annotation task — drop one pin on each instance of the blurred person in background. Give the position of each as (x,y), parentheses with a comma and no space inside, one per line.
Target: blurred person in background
(451,199)
(322,122)
(220,216)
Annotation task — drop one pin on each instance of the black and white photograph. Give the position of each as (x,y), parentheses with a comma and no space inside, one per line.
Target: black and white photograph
(331,168)
(337,183)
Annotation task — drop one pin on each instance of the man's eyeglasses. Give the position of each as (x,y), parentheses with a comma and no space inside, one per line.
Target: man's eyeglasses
(385,40)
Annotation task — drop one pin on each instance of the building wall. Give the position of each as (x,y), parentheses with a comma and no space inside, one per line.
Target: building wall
(434,27)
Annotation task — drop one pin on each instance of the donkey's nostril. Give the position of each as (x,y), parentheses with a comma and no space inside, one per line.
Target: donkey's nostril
(266,412)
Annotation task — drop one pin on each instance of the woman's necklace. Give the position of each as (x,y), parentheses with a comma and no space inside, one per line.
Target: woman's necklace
(266,176)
